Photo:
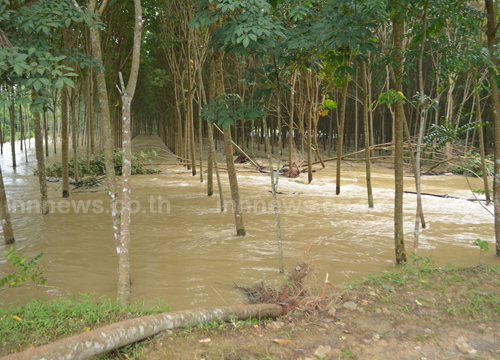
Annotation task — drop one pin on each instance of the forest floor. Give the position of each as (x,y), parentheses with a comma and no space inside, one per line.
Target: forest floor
(411,313)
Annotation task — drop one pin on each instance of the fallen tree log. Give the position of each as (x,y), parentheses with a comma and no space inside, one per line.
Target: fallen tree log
(445,196)
(114,336)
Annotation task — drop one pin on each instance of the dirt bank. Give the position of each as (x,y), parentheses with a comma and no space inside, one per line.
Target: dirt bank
(405,314)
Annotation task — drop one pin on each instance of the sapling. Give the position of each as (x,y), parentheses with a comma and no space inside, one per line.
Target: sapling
(25,269)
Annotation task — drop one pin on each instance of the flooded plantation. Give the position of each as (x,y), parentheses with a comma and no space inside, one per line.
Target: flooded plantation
(185,250)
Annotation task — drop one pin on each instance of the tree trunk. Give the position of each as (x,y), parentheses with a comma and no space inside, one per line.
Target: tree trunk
(290,124)
(123,246)
(74,107)
(399,244)
(366,135)
(2,130)
(189,106)
(228,148)
(495,103)
(8,233)
(341,131)
(210,165)
(54,130)
(65,122)
(233,182)
(114,336)
(274,190)
(21,130)
(309,95)
(105,120)
(64,138)
(46,132)
(40,162)
(422,109)
(481,140)
(13,131)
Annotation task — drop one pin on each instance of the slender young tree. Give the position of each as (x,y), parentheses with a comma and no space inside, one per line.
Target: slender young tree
(74,142)
(64,123)
(308,85)
(40,159)
(293,80)
(341,130)
(491,31)
(423,111)
(228,148)
(8,233)
(366,134)
(127,93)
(397,38)
(105,116)
(13,130)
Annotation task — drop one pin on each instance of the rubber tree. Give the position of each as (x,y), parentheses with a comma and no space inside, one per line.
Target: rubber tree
(491,32)
(12,110)
(397,78)
(422,107)
(337,30)
(105,116)
(8,233)
(35,64)
(366,133)
(226,111)
(127,93)
(65,123)
(40,160)
(255,17)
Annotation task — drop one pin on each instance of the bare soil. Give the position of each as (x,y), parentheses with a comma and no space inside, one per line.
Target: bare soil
(412,313)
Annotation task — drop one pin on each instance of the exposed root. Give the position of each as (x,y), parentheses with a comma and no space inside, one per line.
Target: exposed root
(294,294)
(294,172)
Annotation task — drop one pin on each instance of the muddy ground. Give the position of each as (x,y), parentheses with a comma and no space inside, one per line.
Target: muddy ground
(405,314)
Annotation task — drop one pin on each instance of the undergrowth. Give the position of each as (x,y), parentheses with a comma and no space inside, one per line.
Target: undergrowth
(141,164)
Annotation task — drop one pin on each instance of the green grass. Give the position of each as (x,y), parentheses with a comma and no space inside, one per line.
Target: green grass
(38,323)
(468,293)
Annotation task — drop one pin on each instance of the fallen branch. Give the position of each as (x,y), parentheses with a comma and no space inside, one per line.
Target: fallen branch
(236,145)
(114,336)
(373,147)
(445,196)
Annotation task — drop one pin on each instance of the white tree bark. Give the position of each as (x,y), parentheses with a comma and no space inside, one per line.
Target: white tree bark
(123,245)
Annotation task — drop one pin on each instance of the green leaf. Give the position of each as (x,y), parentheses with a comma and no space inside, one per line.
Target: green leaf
(18,69)
(37,85)
(69,82)
(60,83)
(246,41)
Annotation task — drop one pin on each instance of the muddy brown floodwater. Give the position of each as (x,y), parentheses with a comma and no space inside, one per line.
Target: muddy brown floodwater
(185,250)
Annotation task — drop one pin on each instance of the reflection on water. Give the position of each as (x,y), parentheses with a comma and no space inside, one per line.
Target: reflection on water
(185,251)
